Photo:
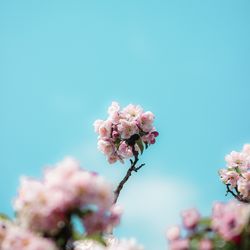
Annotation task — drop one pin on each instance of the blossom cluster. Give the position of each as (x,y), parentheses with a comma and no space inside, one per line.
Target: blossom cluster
(227,228)
(237,174)
(13,237)
(46,206)
(125,132)
(112,244)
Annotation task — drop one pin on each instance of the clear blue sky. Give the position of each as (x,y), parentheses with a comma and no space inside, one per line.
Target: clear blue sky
(63,62)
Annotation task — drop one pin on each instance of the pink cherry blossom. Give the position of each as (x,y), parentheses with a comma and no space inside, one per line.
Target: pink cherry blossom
(244,185)
(125,151)
(20,239)
(236,159)
(3,230)
(97,124)
(114,158)
(190,218)
(44,206)
(105,129)
(114,108)
(230,218)
(146,121)
(246,149)
(237,176)
(225,227)
(125,132)
(180,244)
(101,221)
(206,244)
(107,147)
(150,137)
(113,244)
(230,177)
(173,233)
(125,244)
(127,128)
(132,112)
(113,111)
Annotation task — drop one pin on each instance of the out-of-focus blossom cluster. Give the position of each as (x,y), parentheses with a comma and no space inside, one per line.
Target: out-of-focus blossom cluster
(230,219)
(227,228)
(47,206)
(125,132)
(13,237)
(237,174)
(112,244)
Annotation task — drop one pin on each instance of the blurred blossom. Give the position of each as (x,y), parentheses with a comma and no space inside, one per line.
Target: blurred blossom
(225,227)
(206,244)
(229,219)
(46,205)
(190,218)
(113,244)
(173,233)
(180,244)
(13,237)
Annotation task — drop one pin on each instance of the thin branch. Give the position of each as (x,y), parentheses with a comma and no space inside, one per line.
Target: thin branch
(236,196)
(237,191)
(231,192)
(128,174)
(138,168)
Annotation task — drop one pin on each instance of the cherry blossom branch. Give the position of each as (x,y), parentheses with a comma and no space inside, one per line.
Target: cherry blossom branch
(128,174)
(236,196)
(231,192)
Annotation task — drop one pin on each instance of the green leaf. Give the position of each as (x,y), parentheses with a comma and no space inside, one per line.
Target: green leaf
(237,170)
(77,236)
(205,222)
(219,243)
(194,244)
(96,237)
(4,217)
(140,145)
(117,143)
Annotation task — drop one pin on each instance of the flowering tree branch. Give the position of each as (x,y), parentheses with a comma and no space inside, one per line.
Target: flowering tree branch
(123,135)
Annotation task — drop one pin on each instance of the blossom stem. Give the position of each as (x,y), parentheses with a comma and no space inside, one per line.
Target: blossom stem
(236,196)
(128,174)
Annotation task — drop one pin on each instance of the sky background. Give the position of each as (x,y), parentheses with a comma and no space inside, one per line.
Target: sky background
(63,62)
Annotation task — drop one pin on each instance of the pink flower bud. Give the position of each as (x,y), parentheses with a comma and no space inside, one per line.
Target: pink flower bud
(190,218)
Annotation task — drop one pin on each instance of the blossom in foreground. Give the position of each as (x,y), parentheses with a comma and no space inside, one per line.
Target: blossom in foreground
(227,228)
(190,218)
(13,237)
(125,132)
(112,244)
(205,244)
(124,244)
(47,205)
(237,174)
(230,219)
(173,233)
(179,244)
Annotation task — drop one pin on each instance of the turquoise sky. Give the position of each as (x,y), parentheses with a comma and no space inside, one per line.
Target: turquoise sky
(63,62)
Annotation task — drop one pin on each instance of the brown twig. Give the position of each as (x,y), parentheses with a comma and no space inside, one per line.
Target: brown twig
(236,196)
(128,174)
(231,192)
